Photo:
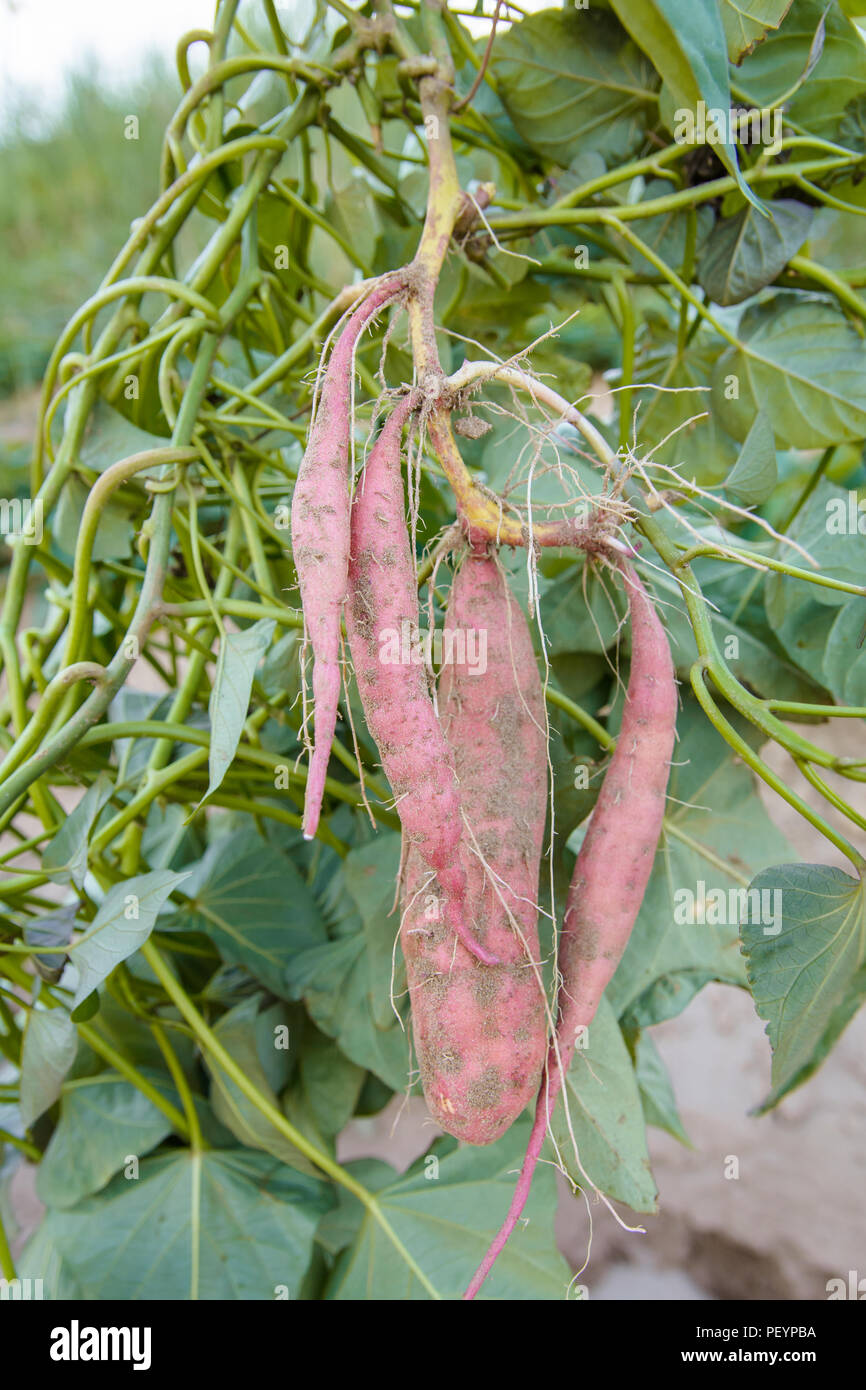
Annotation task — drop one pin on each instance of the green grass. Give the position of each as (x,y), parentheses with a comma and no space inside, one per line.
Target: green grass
(67,197)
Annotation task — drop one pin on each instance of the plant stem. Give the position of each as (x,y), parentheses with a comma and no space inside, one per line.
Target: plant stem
(7,1264)
(211,1043)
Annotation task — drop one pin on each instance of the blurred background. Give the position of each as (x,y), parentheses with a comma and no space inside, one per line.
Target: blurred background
(768,1207)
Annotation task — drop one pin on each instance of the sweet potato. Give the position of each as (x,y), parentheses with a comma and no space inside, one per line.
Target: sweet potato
(320,536)
(611,872)
(480,1032)
(383,603)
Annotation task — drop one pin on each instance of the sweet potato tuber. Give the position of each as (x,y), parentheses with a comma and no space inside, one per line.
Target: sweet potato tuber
(320,535)
(611,872)
(383,603)
(480,1033)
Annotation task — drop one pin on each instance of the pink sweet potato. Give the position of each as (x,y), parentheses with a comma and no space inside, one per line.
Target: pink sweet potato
(611,873)
(320,536)
(480,1032)
(382,607)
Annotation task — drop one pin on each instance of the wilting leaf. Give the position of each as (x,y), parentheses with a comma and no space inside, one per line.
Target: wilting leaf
(747,21)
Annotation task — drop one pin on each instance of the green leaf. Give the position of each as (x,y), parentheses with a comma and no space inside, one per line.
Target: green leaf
(40,1259)
(821,628)
(352,211)
(65,857)
(804,634)
(607,1119)
(667,233)
(132,1037)
(831,527)
(748,251)
(113,540)
(251,901)
(699,446)
(109,437)
(807,972)
(804,364)
(656,1091)
(103,1120)
(48,1051)
(753,659)
(755,474)
(51,929)
(852,131)
(323,1097)
(237,1032)
(87,1009)
(445,1213)
(281,667)
(778,65)
(168,842)
(747,21)
(716,834)
(346,985)
(685,42)
(581,612)
(120,927)
(573,82)
(220,1225)
(239,655)
(844,663)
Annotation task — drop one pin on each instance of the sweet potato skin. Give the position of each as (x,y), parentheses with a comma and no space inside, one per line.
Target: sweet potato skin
(616,858)
(320,536)
(397,704)
(611,872)
(480,1031)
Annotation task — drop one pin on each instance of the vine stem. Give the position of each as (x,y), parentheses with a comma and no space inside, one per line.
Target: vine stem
(560,216)
(29,1151)
(757,764)
(580,716)
(95,505)
(327,1165)
(7,1264)
(176,1072)
(733,555)
(755,710)
(16,972)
